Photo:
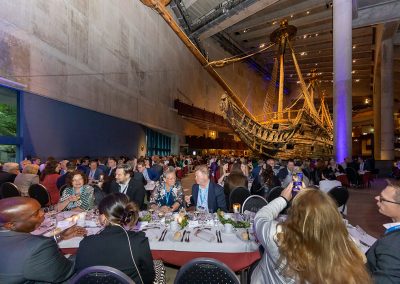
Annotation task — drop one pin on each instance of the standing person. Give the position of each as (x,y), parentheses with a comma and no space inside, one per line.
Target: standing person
(308,244)
(384,255)
(26,258)
(63,167)
(49,178)
(285,174)
(206,193)
(126,184)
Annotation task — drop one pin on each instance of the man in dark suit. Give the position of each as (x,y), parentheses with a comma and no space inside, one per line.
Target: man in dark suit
(205,193)
(384,255)
(25,257)
(125,183)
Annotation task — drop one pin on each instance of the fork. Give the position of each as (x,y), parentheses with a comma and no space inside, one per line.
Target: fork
(162,235)
(187,236)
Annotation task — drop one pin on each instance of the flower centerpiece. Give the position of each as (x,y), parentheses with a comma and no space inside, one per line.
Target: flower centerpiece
(235,224)
(183,218)
(146,218)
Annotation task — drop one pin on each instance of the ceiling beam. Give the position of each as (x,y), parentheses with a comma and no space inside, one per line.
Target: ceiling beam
(382,12)
(232,17)
(303,6)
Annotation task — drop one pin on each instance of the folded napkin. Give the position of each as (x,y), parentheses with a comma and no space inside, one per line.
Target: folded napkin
(204,235)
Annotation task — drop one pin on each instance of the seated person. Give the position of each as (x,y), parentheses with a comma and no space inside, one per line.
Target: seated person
(167,195)
(78,196)
(114,246)
(26,258)
(25,179)
(93,172)
(265,182)
(384,255)
(328,181)
(285,174)
(315,228)
(205,193)
(335,167)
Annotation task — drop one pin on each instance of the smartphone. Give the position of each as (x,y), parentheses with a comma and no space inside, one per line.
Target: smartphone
(297,179)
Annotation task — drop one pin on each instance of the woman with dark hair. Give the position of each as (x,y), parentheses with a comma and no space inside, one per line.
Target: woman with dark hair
(78,195)
(265,181)
(48,179)
(311,246)
(235,179)
(124,250)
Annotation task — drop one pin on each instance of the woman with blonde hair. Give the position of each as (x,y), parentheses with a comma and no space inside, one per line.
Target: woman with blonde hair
(25,179)
(311,246)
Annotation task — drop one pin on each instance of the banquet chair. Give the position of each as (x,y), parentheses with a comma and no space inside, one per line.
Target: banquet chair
(8,189)
(274,193)
(39,192)
(254,203)
(352,176)
(205,270)
(62,188)
(340,194)
(238,195)
(101,275)
(99,194)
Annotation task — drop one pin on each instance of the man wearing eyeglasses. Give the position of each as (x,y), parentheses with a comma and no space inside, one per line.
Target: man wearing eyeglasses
(384,255)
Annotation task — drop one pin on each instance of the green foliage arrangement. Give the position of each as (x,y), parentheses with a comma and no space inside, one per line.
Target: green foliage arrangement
(235,224)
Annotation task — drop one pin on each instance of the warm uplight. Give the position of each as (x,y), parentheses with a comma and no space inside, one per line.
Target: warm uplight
(357,80)
(303,53)
(366,101)
(354,61)
(262,45)
(291,16)
(308,12)
(354,46)
(353,72)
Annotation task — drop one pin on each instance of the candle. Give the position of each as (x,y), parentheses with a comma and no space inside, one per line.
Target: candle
(236,207)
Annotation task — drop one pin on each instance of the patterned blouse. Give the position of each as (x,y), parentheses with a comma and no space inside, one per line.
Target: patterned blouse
(161,197)
(86,201)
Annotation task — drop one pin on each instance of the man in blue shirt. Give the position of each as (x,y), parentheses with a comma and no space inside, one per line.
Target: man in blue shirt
(206,193)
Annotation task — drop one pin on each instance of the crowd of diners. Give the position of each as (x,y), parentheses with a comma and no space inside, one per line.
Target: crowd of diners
(312,245)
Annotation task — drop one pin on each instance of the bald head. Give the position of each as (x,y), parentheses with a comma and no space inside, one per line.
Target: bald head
(20,214)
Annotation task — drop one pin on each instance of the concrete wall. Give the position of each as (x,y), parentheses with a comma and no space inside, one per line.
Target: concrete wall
(115,57)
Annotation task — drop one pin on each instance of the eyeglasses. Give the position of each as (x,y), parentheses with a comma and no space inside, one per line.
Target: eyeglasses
(381,199)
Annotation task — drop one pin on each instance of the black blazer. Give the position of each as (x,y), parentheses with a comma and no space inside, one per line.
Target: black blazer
(25,258)
(111,248)
(135,191)
(216,197)
(383,259)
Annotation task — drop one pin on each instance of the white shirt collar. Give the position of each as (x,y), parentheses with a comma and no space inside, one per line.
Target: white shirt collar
(389,225)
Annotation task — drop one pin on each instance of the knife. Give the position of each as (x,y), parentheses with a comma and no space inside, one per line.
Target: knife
(220,238)
(216,232)
(162,234)
(248,235)
(183,236)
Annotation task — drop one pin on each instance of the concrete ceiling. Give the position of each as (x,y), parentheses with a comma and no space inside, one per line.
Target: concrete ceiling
(247,24)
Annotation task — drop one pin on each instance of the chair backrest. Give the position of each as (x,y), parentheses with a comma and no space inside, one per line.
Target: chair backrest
(238,195)
(39,192)
(205,270)
(340,194)
(8,189)
(62,188)
(352,175)
(254,203)
(274,193)
(99,194)
(99,275)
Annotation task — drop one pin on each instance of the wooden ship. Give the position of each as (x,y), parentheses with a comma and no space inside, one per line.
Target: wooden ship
(286,132)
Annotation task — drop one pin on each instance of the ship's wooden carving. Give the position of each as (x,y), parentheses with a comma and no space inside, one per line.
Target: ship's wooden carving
(287,132)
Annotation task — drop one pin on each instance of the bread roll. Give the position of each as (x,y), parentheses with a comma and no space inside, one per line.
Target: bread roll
(177,236)
(245,236)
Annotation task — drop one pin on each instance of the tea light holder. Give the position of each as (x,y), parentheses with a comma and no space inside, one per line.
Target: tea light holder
(236,207)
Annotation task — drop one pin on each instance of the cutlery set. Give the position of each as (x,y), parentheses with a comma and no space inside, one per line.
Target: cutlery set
(187,235)
(219,238)
(163,234)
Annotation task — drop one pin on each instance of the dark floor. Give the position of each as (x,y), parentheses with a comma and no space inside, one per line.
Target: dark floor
(362,209)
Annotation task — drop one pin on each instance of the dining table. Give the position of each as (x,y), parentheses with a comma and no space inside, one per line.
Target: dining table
(206,240)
